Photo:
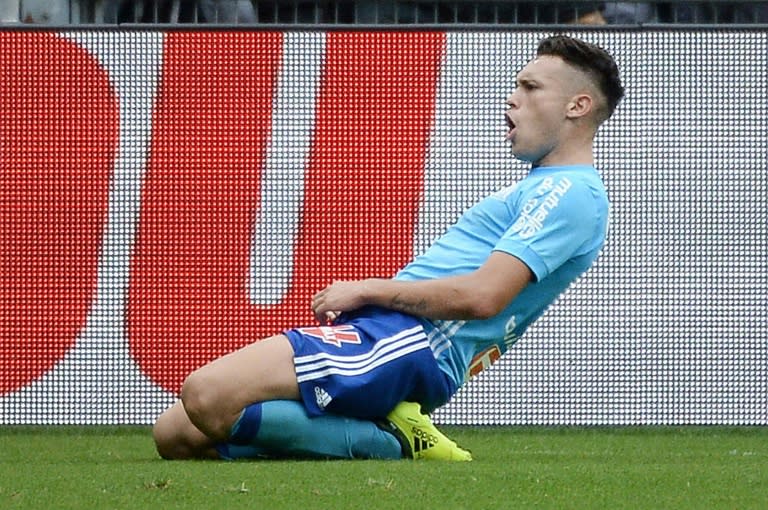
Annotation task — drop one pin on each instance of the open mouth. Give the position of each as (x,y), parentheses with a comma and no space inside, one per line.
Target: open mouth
(511,128)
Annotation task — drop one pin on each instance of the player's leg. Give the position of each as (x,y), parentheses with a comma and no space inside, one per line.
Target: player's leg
(177,438)
(222,405)
(223,399)
(215,395)
(281,429)
(284,429)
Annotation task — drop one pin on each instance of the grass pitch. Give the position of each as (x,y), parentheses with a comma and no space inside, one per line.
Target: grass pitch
(579,468)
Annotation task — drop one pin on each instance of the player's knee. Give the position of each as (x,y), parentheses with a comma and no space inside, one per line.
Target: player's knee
(164,445)
(167,441)
(200,400)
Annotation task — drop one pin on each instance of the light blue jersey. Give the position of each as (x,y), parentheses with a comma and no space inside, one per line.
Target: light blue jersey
(555,221)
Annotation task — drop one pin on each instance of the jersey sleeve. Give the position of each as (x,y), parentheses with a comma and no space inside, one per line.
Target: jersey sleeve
(552,225)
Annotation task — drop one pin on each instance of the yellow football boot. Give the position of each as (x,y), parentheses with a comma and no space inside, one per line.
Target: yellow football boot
(420,438)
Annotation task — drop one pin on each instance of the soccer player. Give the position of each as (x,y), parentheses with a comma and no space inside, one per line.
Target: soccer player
(390,351)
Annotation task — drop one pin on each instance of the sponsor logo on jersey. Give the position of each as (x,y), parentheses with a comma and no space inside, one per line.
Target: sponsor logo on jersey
(484,360)
(535,211)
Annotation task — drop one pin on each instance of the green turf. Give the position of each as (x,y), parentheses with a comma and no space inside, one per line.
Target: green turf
(675,468)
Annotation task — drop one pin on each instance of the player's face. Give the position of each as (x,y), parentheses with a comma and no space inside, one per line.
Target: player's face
(536,109)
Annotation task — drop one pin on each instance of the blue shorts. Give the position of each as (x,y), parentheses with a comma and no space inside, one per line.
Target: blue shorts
(366,363)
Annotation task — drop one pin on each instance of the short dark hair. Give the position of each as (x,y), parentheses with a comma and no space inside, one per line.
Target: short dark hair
(597,63)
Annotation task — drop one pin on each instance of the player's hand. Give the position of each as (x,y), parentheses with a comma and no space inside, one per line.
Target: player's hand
(340,296)
(328,318)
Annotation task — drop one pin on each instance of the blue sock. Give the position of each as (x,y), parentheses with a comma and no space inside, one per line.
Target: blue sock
(282,428)
(229,451)
(247,425)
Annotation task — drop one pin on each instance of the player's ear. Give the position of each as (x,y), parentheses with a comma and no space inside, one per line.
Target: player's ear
(580,105)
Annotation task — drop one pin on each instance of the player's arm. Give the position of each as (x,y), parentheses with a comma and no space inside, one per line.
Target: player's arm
(477,295)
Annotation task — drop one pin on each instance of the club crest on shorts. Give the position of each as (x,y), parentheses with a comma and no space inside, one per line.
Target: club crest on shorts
(334,335)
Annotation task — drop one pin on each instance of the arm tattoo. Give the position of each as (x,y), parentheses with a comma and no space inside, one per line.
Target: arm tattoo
(412,307)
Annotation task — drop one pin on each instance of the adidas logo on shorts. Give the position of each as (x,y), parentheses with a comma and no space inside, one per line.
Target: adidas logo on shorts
(322,397)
